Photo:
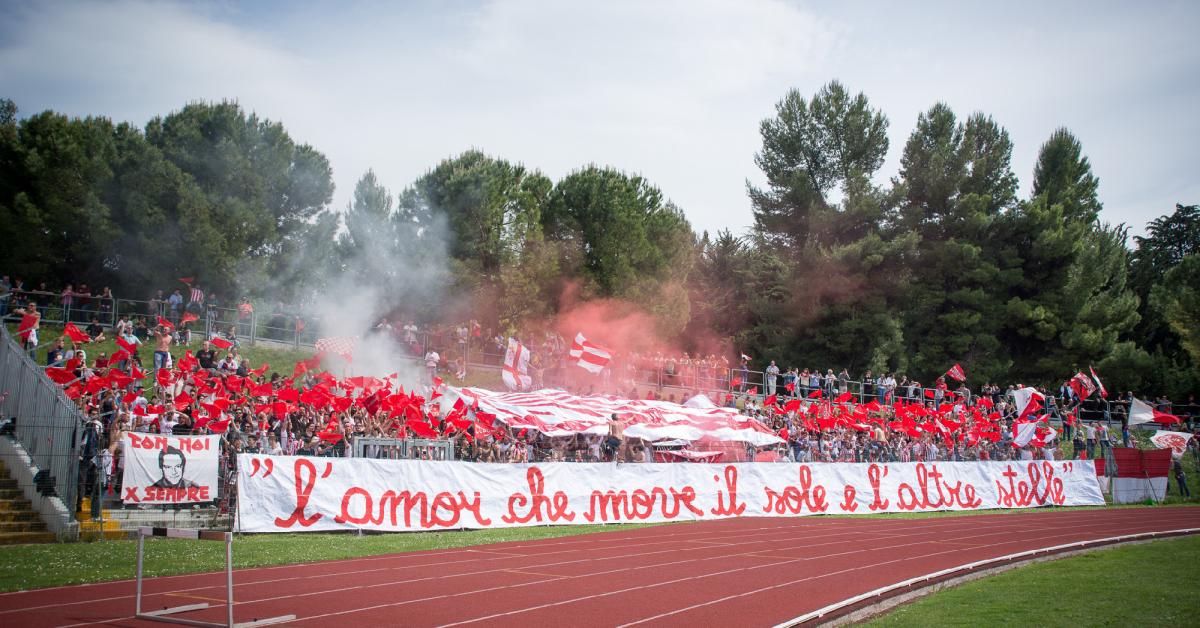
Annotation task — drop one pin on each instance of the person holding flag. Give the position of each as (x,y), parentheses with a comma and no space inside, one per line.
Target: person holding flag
(27,330)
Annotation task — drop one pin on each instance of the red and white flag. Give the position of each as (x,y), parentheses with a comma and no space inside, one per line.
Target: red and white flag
(588,356)
(1142,412)
(516,366)
(1099,384)
(1176,441)
(1027,401)
(1082,385)
(341,345)
(957,372)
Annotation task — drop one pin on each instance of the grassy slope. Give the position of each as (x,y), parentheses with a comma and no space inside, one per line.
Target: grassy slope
(25,567)
(1136,585)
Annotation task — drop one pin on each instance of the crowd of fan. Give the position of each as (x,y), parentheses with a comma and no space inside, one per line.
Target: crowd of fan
(178,406)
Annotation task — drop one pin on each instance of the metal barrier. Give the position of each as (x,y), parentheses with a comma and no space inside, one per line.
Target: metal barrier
(403,448)
(44,421)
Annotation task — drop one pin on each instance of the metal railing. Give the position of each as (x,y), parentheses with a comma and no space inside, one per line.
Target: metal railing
(43,420)
(403,448)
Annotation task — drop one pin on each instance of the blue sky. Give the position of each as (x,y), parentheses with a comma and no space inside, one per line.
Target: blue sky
(670,90)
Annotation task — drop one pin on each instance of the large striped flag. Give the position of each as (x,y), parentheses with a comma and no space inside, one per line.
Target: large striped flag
(516,366)
(341,345)
(588,356)
(196,296)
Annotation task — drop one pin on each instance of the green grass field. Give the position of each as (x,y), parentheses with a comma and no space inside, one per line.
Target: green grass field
(25,567)
(1134,585)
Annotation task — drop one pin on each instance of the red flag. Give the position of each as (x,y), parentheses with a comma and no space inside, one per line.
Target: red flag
(783,433)
(929,393)
(60,375)
(187,318)
(844,397)
(329,436)
(165,323)
(752,391)
(792,406)
(187,280)
(422,429)
(128,347)
(25,328)
(260,370)
(956,372)
(183,399)
(770,401)
(1082,385)
(816,394)
(790,386)
(220,342)
(76,334)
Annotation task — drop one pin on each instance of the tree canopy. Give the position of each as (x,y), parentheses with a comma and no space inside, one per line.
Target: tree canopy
(845,266)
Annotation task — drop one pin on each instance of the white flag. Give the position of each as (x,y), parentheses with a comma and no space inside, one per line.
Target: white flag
(516,366)
(1140,412)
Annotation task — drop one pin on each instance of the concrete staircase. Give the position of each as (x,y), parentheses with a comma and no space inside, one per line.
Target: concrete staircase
(19,522)
(104,529)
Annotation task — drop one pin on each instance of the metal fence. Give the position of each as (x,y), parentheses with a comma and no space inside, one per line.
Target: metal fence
(43,420)
(403,448)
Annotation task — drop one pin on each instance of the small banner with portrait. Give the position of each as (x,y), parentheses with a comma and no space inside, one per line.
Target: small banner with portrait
(162,469)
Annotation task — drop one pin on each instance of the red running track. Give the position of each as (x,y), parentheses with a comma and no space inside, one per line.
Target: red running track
(750,571)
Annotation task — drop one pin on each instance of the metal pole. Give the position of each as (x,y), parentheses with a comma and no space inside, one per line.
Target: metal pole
(229,578)
(137,607)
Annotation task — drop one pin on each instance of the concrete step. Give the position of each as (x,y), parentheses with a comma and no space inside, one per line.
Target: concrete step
(7,483)
(11,493)
(106,535)
(18,538)
(18,515)
(15,505)
(22,526)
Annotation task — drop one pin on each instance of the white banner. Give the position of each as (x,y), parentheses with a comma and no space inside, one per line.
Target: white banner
(290,493)
(161,469)
(1177,441)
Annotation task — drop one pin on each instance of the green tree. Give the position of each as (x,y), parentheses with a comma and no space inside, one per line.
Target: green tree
(620,238)
(955,181)
(809,148)
(1070,303)
(843,270)
(488,212)
(259,188)
(1177,297)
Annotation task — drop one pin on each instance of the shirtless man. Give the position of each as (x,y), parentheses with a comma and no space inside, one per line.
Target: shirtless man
(162,347)
(614,444)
